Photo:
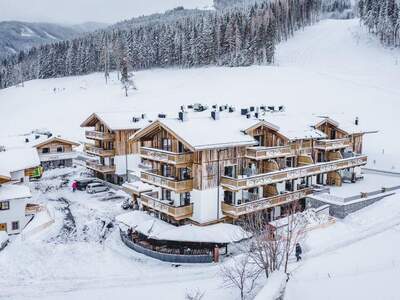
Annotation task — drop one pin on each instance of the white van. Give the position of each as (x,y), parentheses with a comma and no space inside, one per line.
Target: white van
(96,187)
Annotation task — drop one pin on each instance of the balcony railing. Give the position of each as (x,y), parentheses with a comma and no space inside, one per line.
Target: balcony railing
(92,149)
(332,144)
(291,173)
(268,152)
(236,211)
(151,200)
(166,156)
(179,186)
(98,135)
(99,167)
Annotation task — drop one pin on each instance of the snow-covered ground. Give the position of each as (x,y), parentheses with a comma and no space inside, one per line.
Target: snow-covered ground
(332,67)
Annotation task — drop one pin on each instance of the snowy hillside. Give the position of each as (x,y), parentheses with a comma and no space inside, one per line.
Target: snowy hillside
(312,74)
(16,36)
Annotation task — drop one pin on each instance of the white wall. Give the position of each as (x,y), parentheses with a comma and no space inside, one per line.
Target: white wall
(19,176)
(15,213)
(205,205)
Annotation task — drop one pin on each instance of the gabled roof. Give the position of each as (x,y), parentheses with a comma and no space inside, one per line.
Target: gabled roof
(204,132)
(19,159)
(116,120)
(14,191)
(55,139)
(344,124)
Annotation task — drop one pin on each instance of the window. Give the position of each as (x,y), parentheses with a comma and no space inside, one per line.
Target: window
(166,170)
(166,194)
(4,205)
(60,149)
(167,145)
(229,171)
(181,149)
(185,198)
(46,150)
(15,225)
(228,197)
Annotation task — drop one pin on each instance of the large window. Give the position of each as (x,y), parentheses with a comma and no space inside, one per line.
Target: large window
(167,145)
(166,194)
(4,205)
(15,225)
(46,150)
(185,198)
(60,149)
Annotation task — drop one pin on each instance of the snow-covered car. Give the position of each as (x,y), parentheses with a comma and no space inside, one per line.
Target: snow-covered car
(82,183)
(96,187)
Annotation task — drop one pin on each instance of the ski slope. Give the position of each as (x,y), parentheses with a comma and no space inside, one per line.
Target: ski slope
(332,67)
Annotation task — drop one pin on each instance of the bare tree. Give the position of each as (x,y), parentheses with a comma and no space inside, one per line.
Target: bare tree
(294,231)
(240,273)
(194,295)
(265,247)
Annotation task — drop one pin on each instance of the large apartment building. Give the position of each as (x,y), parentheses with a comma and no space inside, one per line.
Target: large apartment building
(108,134)
(222,165)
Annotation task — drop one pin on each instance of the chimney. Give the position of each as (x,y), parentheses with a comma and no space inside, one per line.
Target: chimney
(248,116)
(256,115)
(251,108)
(182,116)
(135,119)
(162,116)
(143,116)
(221,108)
(243,111)
(272,108)
(231,109)
(215,115)
(356,121)
(26,140)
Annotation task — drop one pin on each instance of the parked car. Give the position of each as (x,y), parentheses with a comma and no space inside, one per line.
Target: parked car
(82,183)
(96,187)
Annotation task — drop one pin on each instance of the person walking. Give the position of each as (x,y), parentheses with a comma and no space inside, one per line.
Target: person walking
(74,185)
(298,252)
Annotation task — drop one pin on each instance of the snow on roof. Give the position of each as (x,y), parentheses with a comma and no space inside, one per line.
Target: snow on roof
(22,141)
(121,120)
(133,218)
(14,191)
(138,186)
(203,132)
(345,122)
(217,233)
(294,126)
(157,229)
(19,159)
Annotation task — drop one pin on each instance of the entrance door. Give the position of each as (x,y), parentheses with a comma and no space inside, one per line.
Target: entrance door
(3,226)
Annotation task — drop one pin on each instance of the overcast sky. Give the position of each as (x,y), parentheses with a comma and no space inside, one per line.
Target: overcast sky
(78,11)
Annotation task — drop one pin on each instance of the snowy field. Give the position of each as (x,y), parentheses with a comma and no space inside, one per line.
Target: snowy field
(333,67)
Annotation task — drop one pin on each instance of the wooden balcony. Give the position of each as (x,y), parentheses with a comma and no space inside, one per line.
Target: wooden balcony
(291,173)
(92,149)
(98,135)
(328,145)
(178,186)
(236,211)
(95,166)
(166,156)
(259,153)
(151,201)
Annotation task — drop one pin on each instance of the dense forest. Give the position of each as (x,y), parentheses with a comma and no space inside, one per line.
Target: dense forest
(231,37)
(382,17)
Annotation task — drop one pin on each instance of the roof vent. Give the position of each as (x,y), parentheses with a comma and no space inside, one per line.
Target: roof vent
(182,116)
(256,115)
(221,108)
(281,108)
(251,108)
(248,116)
(37,136)
(214,106)
(231,109)
(49,134)
(26,140)
(271,108)
(215,115)
(143,116)
(356,121)
(244,111)
(262,107)
(199,107)
(135,119)
(162,116)
(190,106)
